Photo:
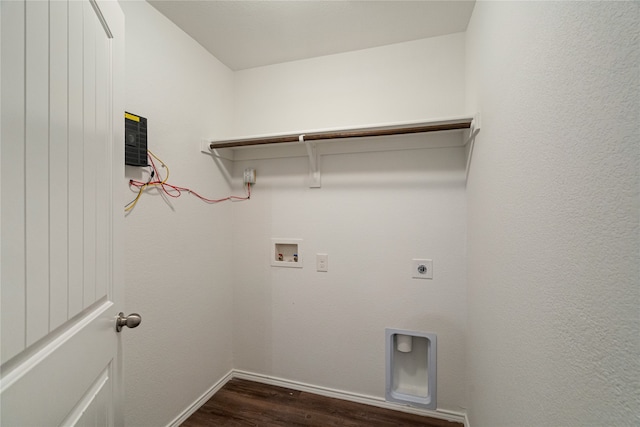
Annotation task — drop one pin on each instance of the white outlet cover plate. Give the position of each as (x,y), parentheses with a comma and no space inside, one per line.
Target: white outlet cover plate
(322,262)
(249,176)
(422,269)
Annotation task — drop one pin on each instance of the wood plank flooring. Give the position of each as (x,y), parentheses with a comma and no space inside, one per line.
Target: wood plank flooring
(247,403)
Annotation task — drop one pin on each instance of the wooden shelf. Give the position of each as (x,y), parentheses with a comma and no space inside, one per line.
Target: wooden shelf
(358,132)
(303,143)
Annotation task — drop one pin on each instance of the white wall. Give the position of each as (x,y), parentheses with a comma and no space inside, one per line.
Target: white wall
(374,213)
(177,268)
(406,81)
(554,324)
(552,219)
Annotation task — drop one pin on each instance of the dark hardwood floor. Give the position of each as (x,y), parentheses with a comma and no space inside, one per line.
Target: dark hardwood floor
(247,403)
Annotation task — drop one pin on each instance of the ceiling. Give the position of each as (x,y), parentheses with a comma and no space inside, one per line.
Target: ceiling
(246,34)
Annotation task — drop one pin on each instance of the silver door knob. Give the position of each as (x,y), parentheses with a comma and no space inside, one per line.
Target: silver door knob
(130,321)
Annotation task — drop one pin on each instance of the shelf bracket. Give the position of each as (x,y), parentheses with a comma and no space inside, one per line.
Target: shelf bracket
(314,170)
(474,129)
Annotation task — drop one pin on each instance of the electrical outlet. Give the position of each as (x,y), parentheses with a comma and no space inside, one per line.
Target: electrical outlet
(421,269)
(249,176)
(322,262)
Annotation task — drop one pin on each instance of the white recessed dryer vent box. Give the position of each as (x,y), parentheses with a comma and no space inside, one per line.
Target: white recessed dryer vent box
(286,252)
(411,368)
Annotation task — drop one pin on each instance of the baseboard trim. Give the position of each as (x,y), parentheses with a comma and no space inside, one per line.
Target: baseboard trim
(200,401)
(442,414)
(353,397)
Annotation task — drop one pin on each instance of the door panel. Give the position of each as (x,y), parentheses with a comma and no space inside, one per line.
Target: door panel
(75,172)
(12,128)
(89,150)
(92,410)
(58,165)
(51,384)
(36,169)
(61,161)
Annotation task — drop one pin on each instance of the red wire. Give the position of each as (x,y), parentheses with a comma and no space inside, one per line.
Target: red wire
(176,191)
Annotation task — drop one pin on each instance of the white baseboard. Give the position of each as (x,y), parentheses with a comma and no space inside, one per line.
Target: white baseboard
(200,401)
(352,397)
(442,414)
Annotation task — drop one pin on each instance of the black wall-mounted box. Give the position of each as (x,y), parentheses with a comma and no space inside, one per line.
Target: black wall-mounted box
(135,140)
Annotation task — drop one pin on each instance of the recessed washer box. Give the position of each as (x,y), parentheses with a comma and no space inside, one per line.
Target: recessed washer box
(411,368)
(286,252)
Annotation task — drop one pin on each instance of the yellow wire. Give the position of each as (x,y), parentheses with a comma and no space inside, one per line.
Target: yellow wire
(163,164)
(135,201)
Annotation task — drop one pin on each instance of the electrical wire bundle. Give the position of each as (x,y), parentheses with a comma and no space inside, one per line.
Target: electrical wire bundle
(169,189)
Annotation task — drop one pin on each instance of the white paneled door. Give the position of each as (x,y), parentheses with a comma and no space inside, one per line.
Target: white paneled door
(61,163)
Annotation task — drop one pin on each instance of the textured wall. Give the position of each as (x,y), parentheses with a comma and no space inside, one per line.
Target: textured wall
(554,319)
(552,219)
(177,268)
(373,214)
